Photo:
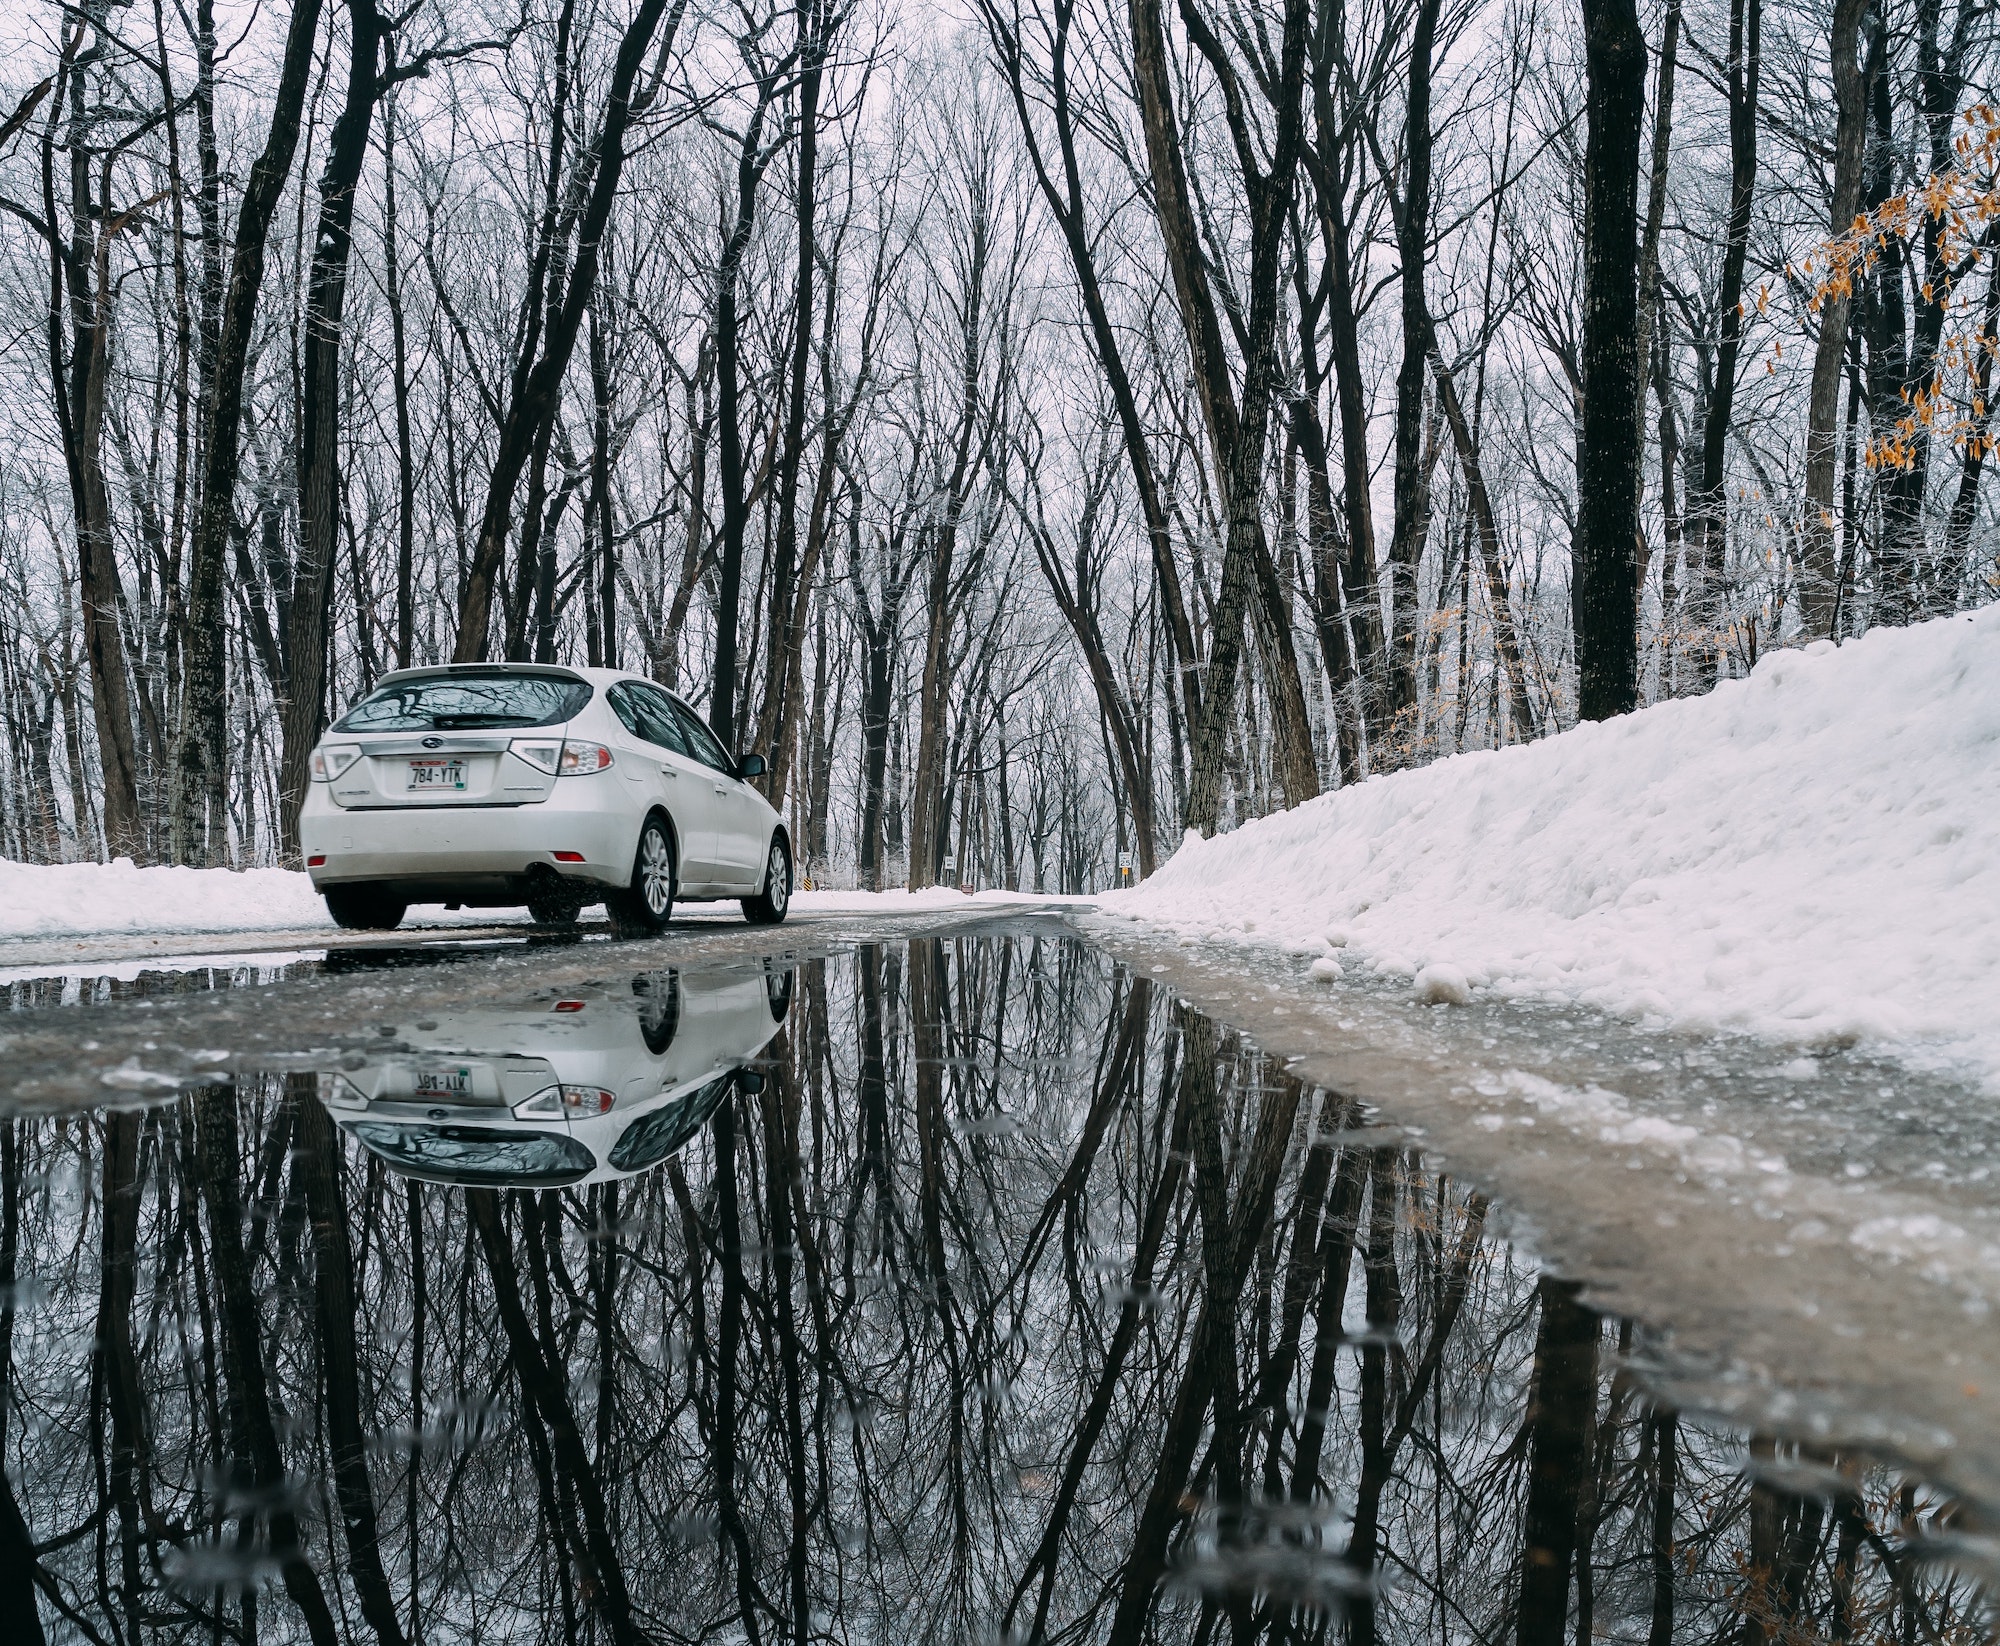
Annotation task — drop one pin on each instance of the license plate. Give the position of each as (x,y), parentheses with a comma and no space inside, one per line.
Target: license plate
(444,1082)
(437,774)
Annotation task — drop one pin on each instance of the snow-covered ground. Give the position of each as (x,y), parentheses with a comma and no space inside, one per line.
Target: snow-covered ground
(121,899)
(1811,854)
(95,899)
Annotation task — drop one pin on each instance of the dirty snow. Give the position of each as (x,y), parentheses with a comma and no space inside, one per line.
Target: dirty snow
(122,899)
(1811,854)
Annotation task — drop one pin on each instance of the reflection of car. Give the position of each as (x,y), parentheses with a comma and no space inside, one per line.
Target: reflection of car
(501,784)
(592,1086)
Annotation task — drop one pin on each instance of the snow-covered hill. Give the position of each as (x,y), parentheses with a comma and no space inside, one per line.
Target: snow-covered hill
(1811,854)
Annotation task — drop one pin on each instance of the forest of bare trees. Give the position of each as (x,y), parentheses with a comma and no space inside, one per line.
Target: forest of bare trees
(1040,428)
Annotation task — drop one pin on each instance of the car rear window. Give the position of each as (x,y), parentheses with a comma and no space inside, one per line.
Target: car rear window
(477,1154)
(467,702)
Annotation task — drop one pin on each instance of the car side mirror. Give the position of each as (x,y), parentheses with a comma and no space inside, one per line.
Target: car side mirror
(749,1082)
(751,765)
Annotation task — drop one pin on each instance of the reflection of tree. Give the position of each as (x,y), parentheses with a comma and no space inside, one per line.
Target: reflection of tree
(1014,1299)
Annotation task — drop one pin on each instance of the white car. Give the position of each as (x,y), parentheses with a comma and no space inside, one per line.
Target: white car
(493,785)
(589,1086)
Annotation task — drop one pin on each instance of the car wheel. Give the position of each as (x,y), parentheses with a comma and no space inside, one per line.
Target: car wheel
(768,907)
(659,1009)
(647,903)
(778,994)
(364,908)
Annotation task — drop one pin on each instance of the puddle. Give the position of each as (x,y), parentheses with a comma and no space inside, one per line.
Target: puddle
(955,1289)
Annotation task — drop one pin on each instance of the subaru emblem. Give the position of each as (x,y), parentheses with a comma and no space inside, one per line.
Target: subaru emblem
(433,742)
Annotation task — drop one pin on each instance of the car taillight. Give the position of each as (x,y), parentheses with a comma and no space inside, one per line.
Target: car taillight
(327,764)
(572,1101)
(338,1092)
(543,753)
(580,758)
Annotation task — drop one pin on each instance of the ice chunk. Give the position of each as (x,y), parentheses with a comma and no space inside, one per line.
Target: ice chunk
(1440,984)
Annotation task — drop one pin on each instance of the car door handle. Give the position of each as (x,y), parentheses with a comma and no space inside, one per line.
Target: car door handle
(668,771)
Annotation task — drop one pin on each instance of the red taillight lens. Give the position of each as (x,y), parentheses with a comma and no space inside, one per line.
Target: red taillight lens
(587,1100)
(317,860)
(569,1005)
(567,857)
(581,758)
(571,1102)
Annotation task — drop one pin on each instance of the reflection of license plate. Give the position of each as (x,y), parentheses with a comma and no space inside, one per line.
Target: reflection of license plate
(437,774)
(444,1082)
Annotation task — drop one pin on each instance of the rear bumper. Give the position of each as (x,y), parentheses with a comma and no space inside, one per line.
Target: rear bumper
(482,853)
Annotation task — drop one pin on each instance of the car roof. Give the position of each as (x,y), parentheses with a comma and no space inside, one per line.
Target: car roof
(560,671)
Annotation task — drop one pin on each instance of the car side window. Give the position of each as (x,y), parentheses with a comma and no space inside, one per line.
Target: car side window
(628,715)
(644,711)
(662,725)
(701,741)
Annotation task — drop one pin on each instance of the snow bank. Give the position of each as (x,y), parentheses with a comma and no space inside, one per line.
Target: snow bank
(121,899)
(89,899)
(1811,854)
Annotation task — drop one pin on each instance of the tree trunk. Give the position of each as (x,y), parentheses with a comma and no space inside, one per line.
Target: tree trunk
(1236,430)
(1330,615)
(1565,1402)
(1604,580)
(598,508)
(307,623)
(1506,639)
(1708,508)
(1406,541)
(197,813)
(1670,511)
(80,280)
(1666,1441)
(927,802)
(1649,240)
(877,704)
(730,471)
(545,1387)
(251,1416)
(1358,587)
(406,465)
(317,1160)
(1940,84)
(1819,576)
(786,623)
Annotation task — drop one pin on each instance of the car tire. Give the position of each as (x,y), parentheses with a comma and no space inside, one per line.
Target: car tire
(769,906)
(778,994)
(646,904)
(659,1010)
(364,908)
